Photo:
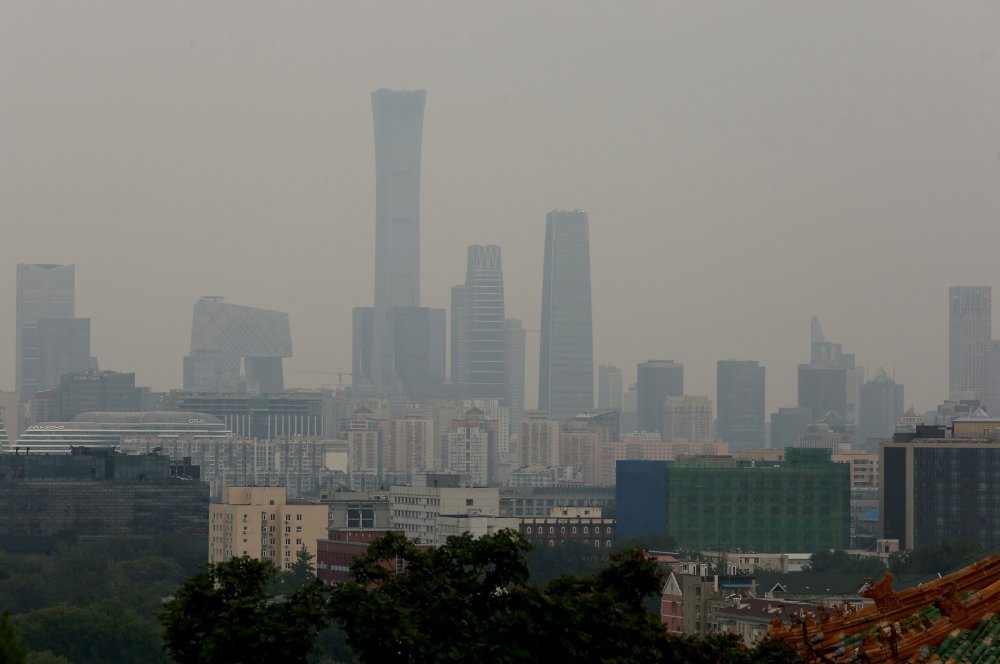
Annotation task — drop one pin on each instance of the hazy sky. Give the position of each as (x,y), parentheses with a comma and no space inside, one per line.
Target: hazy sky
(746,165)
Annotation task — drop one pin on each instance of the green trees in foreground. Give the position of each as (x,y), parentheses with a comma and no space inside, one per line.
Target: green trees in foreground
(468,600)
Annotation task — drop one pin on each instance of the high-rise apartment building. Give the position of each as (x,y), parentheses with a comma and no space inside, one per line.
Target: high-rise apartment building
(881,407)
(740,400)
(609,388)
(479,326)
(657,380)
(43,292)
(970,331)
(474,448)
(566,357)
(398,119)
(515,369)
(687,417)
(539,440)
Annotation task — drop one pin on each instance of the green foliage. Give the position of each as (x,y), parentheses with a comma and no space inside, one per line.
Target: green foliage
(546,563)
(226,614)
(46,657)
(301,573)
(470,600)
(648,541)
(934,558)
(840,562)
(101,633)
(11,648)
(108,585)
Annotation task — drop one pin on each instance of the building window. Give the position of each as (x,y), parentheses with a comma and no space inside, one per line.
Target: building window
(468,501)
(574,530)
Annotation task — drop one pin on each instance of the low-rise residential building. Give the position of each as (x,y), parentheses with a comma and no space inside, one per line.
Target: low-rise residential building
(416,509)
(573,525)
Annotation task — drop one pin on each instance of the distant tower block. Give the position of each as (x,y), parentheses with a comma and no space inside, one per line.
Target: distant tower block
(566,354)
(398,118)
(224,336)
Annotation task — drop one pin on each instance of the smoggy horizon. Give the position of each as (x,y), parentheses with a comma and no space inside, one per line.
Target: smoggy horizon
(743,168)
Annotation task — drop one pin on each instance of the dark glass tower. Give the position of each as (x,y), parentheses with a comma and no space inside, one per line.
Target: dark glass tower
(657,380)
(740,400)
(398,118)
(566,357)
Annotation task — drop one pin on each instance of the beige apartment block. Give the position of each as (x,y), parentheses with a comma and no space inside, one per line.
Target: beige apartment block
(261,523)
(687,417)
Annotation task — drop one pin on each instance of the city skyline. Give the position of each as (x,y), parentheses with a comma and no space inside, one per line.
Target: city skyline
(684,185)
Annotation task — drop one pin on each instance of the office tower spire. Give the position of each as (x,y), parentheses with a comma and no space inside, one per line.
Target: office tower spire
(566,357)
(398,118)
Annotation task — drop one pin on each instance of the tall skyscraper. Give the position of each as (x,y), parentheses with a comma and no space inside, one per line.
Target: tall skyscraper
(566,356)
(480,327)
(970,330)
(831,381)
(609,387)
(398,118)
(225,336)
(657,380)
(361,345)
(515,370)
(43,292)
(881,407)
(740,400)
(64,348)
(418,345)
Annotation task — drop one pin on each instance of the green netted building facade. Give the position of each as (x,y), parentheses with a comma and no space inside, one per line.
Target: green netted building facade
(801,504)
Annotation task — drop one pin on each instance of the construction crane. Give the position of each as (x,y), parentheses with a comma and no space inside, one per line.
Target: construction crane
(339,374)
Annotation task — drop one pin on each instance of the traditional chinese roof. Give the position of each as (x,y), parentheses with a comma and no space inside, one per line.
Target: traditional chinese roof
(948,619)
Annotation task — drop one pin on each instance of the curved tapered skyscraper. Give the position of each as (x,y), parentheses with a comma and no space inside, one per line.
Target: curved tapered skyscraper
(398,117)
(566,359)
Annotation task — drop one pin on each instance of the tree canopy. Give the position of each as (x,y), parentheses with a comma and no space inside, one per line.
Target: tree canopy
(471,600)
(225,614)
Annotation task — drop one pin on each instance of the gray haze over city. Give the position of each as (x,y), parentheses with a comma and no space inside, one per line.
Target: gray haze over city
(745,166)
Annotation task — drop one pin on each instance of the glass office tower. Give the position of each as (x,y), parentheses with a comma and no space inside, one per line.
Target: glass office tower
(566,357)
